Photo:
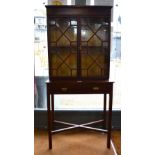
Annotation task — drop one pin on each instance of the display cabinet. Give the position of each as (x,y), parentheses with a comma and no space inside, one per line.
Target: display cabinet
(79,55)
(78,42)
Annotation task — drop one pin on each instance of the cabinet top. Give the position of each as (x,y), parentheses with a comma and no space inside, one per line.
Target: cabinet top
(75,10)
(77,6)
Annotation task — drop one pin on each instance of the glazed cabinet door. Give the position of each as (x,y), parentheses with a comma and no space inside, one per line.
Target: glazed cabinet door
(79,48)
(62,44)
(94,50)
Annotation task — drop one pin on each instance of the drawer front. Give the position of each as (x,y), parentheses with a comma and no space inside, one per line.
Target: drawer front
(65,88)
(97,88)
(80,88)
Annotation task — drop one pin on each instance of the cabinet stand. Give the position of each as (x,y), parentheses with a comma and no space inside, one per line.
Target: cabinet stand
(79,87)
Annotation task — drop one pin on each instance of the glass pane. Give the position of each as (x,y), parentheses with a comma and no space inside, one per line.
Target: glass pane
(94,70)
(95,41)
(94,31)
(56,61)
(105,23)
(63,51)
(94,62)
(86,61)
(62,31)
(103,33)
(71,61)
(86,33)
(73,22)
(63,41)
(52,22)
(83,21)
(62,23)
(84,72)
(63,70)
(94,23)
(64,62)
(94,36)
(54,34)
(71,33)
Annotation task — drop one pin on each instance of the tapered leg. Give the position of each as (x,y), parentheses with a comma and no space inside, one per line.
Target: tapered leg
(52,100)
(109,119)
(49,118)
(105,103)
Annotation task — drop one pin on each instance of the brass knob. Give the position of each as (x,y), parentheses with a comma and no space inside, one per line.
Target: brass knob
(79,81)
(96,88)
(64,89)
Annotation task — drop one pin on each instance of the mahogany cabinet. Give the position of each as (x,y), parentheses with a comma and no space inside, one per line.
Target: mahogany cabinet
(78,42)
(79,59)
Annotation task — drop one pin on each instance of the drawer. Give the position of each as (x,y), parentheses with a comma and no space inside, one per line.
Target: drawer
(80,87)
(97,88)
(66,88)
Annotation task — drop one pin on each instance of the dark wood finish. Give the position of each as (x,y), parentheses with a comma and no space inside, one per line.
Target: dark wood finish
(78,87)
(66,10)
(49,118)
(97,24)
(105,110)
(79,58)
(52,102)
(78,49)
(109,118)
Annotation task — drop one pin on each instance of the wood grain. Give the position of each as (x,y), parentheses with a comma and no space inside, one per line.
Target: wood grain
(73,142)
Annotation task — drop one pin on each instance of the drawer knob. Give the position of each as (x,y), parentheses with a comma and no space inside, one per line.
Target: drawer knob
(64,89)
(95,88)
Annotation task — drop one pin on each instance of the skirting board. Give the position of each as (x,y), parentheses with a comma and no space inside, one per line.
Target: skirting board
(40,117)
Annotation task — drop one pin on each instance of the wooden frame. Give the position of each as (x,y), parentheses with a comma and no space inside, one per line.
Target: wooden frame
(89,87)
(79,12)
(79,84)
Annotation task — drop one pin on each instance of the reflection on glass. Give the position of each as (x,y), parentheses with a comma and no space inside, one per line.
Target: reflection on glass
(63,24)
(94,26)
(73,22)
(63,31)
(103,34)
(71,33)
(86,33)
(52,22)
(105,23)
(94,31)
